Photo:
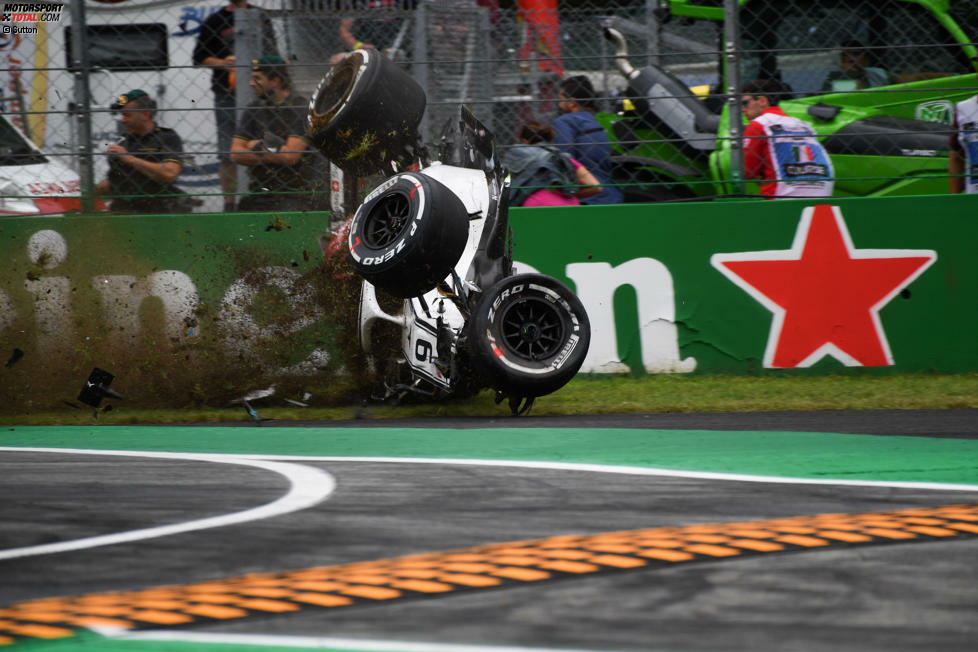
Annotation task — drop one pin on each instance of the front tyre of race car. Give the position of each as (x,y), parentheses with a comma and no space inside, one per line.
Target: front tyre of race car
(529,335)
(408,234)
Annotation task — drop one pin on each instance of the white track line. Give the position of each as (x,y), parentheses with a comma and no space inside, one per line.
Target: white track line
(308,486)
(312,642)
(311,486)
(629,470)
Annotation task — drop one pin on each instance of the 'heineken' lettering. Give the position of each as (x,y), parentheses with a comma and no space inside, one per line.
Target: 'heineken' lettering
(122,296)
(596,285)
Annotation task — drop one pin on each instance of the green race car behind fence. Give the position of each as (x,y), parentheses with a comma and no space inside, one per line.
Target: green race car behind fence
(885,123)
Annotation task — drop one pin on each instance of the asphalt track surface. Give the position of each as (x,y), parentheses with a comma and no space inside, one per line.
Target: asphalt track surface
(397,551)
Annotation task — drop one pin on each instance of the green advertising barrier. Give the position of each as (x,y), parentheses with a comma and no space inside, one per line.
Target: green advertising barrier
(199,308)
(190,309)
(884,284)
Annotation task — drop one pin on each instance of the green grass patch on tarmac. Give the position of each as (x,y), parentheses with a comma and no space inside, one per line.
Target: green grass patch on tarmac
(583,395)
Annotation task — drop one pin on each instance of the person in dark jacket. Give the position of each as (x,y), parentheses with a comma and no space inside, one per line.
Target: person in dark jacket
(145,163)
(270,141)
(579,134)
(215,50)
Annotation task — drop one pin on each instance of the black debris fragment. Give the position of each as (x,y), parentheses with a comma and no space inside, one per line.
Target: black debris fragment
(15,358)
(97,387)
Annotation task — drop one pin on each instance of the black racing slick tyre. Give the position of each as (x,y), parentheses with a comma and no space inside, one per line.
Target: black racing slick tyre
(408,234)
(529,336)
(365,113)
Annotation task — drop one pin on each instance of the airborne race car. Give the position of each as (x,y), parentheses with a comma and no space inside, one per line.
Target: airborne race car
(438,241)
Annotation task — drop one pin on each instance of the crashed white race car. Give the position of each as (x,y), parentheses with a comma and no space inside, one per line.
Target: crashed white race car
(438,238)
(32,183)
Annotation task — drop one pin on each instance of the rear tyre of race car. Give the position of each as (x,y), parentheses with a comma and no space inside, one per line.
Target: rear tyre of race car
(408,234)
(529,335)
(365,113)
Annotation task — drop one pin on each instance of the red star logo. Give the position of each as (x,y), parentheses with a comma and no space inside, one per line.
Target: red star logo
(825,294)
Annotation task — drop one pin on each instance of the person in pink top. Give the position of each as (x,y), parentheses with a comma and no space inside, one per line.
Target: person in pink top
(536,160)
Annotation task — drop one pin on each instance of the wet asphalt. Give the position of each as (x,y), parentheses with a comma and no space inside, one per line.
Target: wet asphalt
(916,596)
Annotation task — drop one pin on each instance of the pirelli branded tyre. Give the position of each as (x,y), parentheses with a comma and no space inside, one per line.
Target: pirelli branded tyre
(529,336)
(408,234)
(365,113)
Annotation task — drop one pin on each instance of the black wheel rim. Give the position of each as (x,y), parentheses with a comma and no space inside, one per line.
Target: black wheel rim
(387,220)
(532,329)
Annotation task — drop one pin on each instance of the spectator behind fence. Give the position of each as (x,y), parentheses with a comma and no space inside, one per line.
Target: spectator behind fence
(215,49)
(781,151)
(270,141)
(376,27)
(963,163)
(539,22)
(578,134)
(543,175)
(145,163)
(854,71)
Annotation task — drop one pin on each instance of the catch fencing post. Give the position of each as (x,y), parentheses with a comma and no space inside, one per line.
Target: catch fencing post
(247,46)
(731,30)
(83,105)
(419,67)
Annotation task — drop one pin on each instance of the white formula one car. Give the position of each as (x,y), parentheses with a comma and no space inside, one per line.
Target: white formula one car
(437,239)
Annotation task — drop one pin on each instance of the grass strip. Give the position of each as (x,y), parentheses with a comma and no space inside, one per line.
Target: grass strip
(589,395)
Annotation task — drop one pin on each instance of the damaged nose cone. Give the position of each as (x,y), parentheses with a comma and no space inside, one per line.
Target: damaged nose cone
(365,114)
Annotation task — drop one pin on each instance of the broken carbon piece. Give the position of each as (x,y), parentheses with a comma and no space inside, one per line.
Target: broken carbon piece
(14,358)
(251,412)
(97,387)
(518,405)
(254,395)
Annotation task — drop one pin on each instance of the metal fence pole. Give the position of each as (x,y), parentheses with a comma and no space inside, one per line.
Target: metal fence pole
(419,68)
(652,48)
(83,104)
(485,71)
(247,46)
(731,28)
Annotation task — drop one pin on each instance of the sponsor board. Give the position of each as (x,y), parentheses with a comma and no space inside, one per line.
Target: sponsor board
(747,287)
(861,285)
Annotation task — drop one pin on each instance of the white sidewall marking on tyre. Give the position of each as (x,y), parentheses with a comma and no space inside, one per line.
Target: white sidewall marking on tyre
(308,486)
(356,80)
(379,190)
(561,358)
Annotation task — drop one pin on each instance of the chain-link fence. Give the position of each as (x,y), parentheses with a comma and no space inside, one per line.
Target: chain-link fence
(875,80)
